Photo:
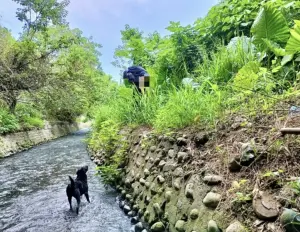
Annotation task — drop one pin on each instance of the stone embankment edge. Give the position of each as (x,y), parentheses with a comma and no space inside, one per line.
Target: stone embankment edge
(13,143)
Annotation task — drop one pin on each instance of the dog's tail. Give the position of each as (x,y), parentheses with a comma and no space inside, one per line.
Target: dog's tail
(72,182)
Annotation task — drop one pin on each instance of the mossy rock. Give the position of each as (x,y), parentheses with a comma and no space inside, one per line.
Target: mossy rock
(158,227)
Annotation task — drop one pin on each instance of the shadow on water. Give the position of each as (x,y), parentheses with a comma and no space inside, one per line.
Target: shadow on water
(33,191)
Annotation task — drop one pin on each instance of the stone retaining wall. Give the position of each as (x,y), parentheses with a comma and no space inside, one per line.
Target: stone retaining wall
(190,183)
(16,142)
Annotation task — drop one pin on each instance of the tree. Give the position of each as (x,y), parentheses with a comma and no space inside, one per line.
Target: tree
(76,74)
(25,64)
(37,15)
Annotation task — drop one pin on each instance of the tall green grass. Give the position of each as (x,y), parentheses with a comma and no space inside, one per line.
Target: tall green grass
(220,66)
(187,106)
(230,78)
(127,108)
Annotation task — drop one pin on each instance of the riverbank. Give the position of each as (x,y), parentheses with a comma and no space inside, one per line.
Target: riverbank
(20,141)
(241,176)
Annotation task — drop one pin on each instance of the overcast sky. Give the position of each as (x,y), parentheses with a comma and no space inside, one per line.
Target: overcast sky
(103,19)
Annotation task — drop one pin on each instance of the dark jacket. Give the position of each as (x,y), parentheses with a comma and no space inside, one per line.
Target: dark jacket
(134,72)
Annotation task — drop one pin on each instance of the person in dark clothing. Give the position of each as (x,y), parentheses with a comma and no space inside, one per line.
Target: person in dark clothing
(137,76)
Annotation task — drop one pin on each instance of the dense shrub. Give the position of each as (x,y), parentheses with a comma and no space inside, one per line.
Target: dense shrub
(8,122)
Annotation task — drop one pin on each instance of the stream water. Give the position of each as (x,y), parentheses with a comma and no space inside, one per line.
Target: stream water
(33,191)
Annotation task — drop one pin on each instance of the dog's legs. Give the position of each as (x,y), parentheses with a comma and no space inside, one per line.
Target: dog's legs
(70,202)
(87,197)
(78,204)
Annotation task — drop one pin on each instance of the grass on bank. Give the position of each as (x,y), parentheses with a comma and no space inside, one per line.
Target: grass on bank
(232,81)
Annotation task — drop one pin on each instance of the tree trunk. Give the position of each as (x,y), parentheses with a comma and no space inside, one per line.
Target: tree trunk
(11,99)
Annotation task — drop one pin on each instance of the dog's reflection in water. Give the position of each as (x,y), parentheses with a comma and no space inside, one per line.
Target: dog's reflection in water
(78,187)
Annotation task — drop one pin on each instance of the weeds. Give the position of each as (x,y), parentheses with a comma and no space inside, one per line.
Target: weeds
(113,146)
(8,122)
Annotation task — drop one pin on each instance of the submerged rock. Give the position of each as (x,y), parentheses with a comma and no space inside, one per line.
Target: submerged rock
(130,214)
(134,220)
(138,227)
(122,204)
(126,209)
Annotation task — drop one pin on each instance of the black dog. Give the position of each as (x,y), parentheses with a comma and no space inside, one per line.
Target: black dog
(78,187)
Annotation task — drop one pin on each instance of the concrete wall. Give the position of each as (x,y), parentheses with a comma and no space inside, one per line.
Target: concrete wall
(16,142)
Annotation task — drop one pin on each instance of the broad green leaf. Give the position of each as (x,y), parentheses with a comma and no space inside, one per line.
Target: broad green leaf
(269,24)
(293,44)
(274,47)
(289,5)
(286,59)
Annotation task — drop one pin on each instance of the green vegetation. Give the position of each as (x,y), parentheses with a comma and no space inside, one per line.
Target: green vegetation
(242,62)
(51,72)
(243,56)
(113,147)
